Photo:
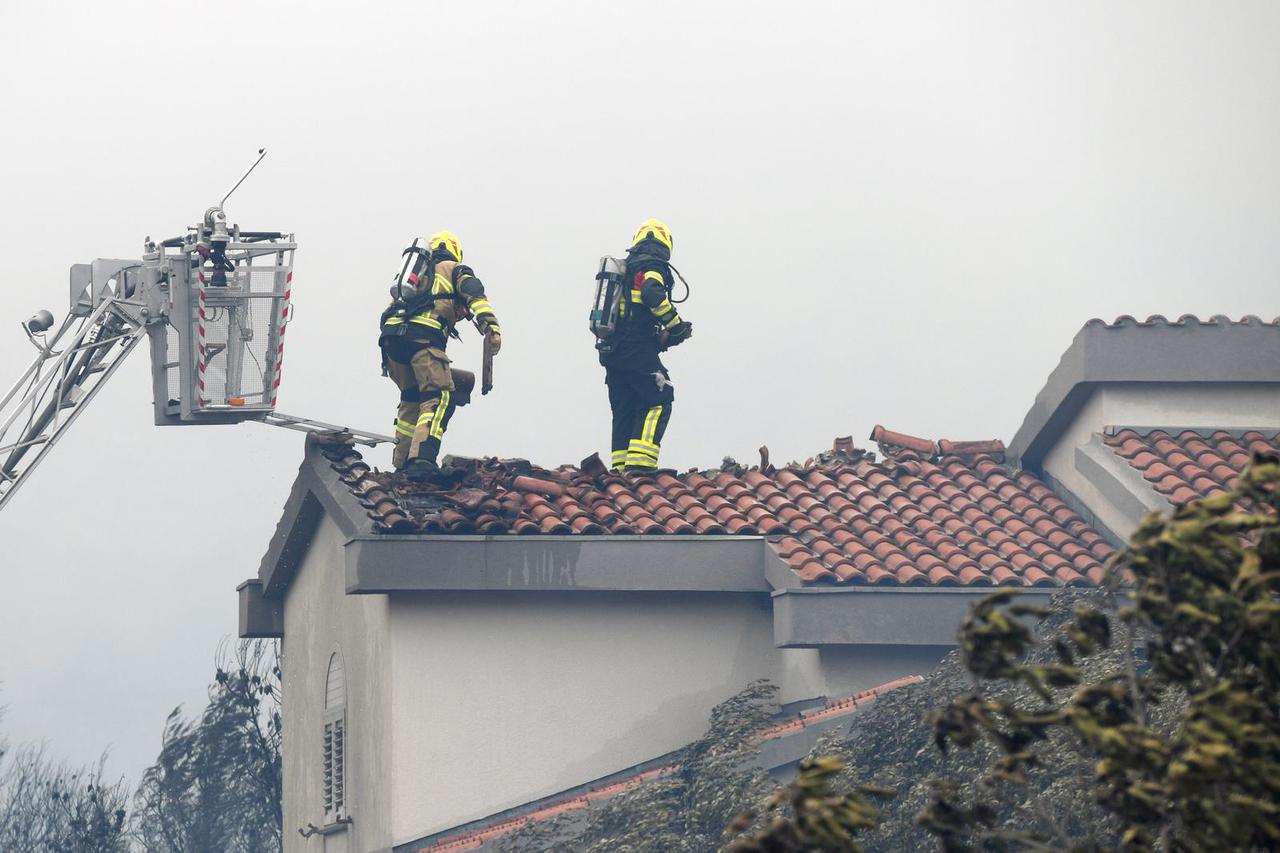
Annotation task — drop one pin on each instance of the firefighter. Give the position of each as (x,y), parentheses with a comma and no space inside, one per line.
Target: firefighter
(414,333)
(640,389)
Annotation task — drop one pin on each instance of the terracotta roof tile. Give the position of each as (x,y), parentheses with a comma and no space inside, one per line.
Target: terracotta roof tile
(1189,466)
(944,513)
(901,441)
(1125,320)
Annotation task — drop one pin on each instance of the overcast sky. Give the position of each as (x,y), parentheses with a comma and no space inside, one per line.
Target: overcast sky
(889,213)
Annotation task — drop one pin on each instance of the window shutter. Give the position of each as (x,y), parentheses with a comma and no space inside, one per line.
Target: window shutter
(335,782)
(335,741)
(340,766)
(328,769)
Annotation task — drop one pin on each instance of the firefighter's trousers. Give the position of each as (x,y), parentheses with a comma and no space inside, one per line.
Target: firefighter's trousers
(426,403)
(641,406)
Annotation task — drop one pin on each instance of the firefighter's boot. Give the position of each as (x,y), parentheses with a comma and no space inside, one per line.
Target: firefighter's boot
(424,465)
(421,469)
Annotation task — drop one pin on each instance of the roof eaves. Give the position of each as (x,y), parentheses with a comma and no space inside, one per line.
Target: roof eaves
(815,616)
(315,494)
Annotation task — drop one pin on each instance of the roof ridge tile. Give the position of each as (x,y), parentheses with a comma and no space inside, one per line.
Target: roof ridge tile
(891,442)
(1129,321)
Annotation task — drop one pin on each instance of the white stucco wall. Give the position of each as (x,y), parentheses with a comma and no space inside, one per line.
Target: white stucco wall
(851,669)
(505,697)
(462,704)
(319,618)
(1168,405)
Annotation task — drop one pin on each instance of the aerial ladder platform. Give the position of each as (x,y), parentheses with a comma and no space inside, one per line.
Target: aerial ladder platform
(213,306)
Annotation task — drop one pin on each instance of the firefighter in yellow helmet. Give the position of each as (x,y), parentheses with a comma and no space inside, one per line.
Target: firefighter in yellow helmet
(432,294)
(640,389)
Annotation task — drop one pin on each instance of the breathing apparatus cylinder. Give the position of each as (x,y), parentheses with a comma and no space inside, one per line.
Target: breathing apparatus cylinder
(409,284)
(609,292)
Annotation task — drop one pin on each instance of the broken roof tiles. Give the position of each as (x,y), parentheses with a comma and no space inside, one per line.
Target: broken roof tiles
(930,514)
(1191,465)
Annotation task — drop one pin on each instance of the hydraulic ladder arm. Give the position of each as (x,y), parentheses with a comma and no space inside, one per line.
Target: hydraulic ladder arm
(48,398)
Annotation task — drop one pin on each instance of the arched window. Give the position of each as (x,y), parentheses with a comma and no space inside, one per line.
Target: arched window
(335,740)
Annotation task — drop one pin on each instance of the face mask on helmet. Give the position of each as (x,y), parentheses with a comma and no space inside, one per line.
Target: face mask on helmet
(652,229)
(447,242)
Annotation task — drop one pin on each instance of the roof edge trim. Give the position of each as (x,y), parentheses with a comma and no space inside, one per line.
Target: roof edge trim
(811,618)
(311,498)
(380,564)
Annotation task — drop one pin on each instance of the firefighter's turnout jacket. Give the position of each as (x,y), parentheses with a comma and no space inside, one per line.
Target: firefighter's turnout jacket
(640,390)
(413,343)
(456,294)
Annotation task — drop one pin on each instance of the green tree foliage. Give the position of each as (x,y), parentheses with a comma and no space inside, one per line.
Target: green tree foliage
(217,782)
(1206,600)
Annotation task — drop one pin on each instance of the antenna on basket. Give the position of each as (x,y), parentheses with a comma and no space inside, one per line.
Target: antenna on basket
(262,152)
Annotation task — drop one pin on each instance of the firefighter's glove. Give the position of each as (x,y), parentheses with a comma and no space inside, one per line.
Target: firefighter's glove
(495,340)
(679,333)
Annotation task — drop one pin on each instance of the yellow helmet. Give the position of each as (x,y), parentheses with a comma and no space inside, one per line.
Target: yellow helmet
(655,229)
(448,241)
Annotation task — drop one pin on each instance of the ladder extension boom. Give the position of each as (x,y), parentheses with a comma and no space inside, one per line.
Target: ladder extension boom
(48,398)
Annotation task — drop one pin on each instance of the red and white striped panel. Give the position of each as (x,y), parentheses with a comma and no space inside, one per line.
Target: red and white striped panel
(201,401)
(282,322)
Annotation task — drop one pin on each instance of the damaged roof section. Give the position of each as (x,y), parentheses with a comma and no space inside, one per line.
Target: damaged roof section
(928,513)
(1192,464)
